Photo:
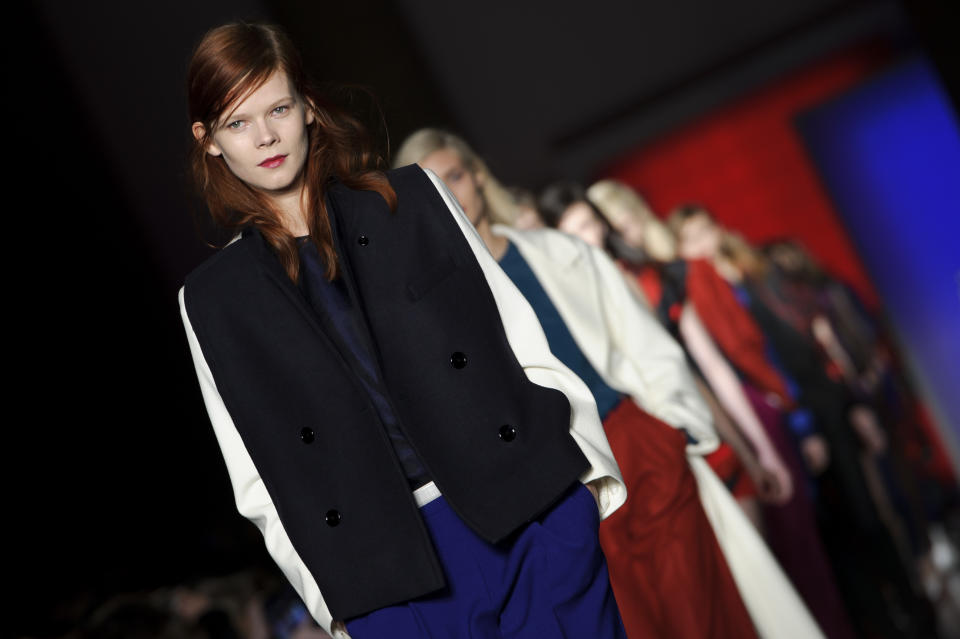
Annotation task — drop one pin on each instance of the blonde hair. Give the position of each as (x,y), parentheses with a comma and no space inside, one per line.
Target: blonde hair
(617,201)
(742,254)
(499,203)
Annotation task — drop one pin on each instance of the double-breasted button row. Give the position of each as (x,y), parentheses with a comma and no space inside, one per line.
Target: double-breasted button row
(363,240)
(507,433)
(332,516)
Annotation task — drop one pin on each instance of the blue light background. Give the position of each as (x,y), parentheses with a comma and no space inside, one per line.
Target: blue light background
(888,152)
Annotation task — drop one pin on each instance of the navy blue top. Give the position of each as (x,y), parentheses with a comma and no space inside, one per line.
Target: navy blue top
(562,344)
(331,302)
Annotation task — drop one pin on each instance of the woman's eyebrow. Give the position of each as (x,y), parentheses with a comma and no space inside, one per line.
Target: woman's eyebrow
(283,99)
(239,115)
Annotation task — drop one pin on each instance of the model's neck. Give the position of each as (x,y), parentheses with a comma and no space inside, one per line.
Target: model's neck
(292,208)
(496,244)
(727,270)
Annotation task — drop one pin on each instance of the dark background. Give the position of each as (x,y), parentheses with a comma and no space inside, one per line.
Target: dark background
(116,479)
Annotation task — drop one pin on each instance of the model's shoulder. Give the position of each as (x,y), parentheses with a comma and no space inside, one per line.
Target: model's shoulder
(226,263)
(557,246)
(409,183)
(413,181)
(553,237)
(410,175)
(418,192)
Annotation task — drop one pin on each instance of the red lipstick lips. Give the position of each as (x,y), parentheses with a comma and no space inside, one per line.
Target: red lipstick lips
(274,162)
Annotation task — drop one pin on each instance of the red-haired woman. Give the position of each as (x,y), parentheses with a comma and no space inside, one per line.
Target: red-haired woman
(388,408)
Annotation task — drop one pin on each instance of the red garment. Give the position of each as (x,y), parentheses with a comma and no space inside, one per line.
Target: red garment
(732,327)
(668,573)
(649,280)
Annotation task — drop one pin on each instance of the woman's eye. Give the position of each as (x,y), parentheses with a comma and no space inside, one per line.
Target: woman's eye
(281,109)
(236,124)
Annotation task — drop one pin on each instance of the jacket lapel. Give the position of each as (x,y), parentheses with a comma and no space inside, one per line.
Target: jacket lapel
(272,268)
(274,271)
(346,272)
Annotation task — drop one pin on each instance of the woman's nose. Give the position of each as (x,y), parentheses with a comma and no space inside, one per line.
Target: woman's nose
(266,135)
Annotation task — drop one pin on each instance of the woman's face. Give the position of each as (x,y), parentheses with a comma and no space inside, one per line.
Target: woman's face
(263,139)
(463,183)
(630,226)
(699,238)
(527,218)
(580,220)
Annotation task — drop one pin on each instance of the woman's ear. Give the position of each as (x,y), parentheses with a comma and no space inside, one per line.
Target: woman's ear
(480,177)
(198,132)
(310,111)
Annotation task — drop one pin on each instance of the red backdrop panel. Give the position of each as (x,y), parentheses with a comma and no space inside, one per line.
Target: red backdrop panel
(747,164)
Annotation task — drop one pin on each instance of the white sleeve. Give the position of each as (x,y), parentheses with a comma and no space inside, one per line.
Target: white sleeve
(649,362)
(250,493)
(530,346)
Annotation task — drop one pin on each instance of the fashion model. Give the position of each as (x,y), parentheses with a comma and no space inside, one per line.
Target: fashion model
(387,405)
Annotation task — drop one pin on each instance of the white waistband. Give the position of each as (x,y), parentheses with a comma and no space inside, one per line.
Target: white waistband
(425,494)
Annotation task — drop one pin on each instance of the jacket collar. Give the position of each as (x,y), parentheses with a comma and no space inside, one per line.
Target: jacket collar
(253,240)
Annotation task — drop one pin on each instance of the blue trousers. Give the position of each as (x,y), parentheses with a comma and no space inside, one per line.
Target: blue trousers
(549,579)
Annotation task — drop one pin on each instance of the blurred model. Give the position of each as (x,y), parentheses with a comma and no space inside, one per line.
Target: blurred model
(675,287)
(669,575)
(857,521)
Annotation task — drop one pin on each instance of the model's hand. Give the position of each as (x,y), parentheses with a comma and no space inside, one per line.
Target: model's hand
(815,453)
(773,480)
(592,487)
(768,486)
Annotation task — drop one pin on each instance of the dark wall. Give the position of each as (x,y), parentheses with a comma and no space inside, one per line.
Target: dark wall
(118,483)
(546,89)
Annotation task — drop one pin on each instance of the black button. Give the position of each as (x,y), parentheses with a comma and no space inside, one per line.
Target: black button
(306,435)
(332,518)
(363,240)
(458,359)
(508,433)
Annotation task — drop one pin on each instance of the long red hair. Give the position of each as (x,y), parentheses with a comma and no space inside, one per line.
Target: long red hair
(229,63)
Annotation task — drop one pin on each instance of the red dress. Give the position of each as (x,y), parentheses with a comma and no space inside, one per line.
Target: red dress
(733,328)
(666,568)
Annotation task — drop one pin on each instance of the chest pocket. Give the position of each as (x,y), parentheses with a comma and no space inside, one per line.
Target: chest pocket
(425,281)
